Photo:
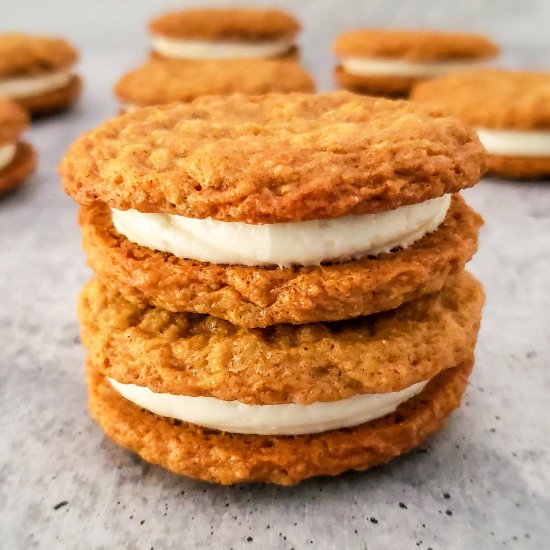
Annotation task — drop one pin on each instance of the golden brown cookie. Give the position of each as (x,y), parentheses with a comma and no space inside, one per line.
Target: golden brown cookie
(408,46)
(232,24)
(519,167)
(274,158)
(419,45)
(55,100)
(200,355)
(262,296)
(25,55)
(228,458)
(497,100)
(19,169)
(162,81)
(31,60)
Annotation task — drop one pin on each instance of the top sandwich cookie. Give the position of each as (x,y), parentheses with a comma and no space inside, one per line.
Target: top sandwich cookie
(224,33)
(17,158)
(511,111)
(37,72)
(389,62)
(273,159)
(278,208)
(165,80)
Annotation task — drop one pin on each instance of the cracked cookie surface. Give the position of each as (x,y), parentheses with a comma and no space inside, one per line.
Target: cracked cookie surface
(422,46)
(274,158)
(227,458)
(200,355)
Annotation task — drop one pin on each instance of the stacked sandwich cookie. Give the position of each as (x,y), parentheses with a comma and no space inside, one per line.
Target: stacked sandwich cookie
(36,72)
(17,158)
(280,289)
(161,81)
(389,62)
(224,33)
(509,109)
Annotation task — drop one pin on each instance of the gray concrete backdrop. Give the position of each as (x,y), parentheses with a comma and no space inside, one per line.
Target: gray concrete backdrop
(483,483)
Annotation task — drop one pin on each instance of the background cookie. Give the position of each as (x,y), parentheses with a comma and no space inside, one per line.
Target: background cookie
(390,62)
(36,72)
(509,109)
(224,33)
(165,80)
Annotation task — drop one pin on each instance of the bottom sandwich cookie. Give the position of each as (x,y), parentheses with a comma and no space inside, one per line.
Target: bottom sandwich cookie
(223,403)
(228,458)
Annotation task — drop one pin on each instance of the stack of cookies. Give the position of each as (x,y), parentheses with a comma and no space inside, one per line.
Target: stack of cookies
(279,286)
(216,51)
(161,81)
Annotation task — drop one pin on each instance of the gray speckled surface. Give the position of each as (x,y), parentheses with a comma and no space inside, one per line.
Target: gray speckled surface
(64,485)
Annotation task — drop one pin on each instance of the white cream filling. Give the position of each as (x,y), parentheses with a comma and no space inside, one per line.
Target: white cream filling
(362,66)
(515,142)
(283,244)
(7,154)
(28,86)
(285,419)
(220,49)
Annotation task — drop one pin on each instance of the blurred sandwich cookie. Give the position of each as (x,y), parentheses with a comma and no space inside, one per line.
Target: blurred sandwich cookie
(225,33)
(510,110)
(37,72)
(390,62)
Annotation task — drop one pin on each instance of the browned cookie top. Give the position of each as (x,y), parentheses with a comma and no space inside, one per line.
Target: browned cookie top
(23,54)
(242,24)
(13,121)
(273,158)
(165,80)
(414,45)
(492,98)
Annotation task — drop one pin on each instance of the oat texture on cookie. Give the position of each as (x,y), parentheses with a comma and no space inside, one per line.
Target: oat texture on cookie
(273,158)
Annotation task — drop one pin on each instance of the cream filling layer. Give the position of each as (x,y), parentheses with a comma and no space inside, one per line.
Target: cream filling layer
(284,244)
(219,49)
(284,419)
(515,142)
(362,66)
(28,86)
(7,154)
